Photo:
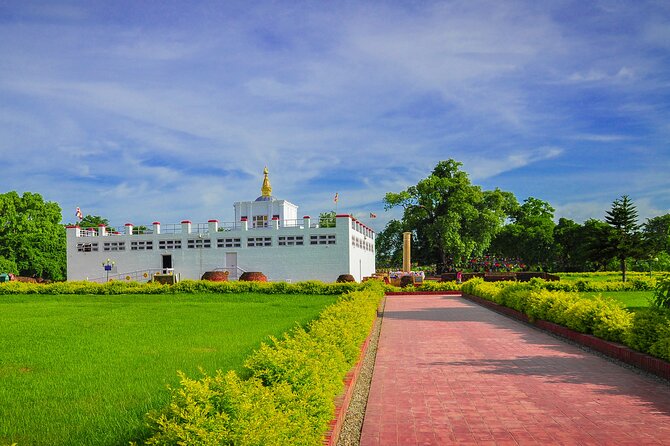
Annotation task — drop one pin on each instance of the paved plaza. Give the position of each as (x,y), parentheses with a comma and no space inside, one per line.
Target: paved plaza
(451,372)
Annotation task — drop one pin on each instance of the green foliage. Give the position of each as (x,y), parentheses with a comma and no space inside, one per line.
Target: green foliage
(656,234)
(650,332)
(93,222)
(185,286)
(97,364)
(225,409)
(31,235)
(647,330)
(662,293)
(451,218)
(625,239)
(530,235)
(429,285)
(327,219)
(388,245)
(8,266)
(288,395)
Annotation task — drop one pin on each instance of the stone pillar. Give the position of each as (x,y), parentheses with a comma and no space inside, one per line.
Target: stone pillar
(102,230)
(245,223)
(213,226)
(275,222)
(129,229)
(406,252)
(306,221)
(186,227)
(157,227)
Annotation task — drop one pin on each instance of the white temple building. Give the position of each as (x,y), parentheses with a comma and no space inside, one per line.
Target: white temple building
(266,236)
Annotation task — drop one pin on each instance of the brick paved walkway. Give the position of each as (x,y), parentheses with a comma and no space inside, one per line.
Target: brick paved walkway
(451,372)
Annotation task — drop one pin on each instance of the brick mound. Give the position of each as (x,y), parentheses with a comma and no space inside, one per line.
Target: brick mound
(253,276)
(215,276)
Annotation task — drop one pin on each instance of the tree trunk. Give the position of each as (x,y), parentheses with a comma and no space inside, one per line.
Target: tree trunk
(623,268)
(443,257)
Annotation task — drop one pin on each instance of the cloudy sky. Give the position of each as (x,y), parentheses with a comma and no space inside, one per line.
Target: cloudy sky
(168,110)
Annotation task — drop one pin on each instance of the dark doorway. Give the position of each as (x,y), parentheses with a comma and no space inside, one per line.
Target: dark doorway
(167,261)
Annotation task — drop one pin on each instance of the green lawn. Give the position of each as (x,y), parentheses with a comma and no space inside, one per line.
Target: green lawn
(610,276)
(632,300)
(84,370)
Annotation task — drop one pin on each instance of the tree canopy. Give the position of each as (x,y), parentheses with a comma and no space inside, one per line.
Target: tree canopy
(451,218)
(32,240)
(530,235)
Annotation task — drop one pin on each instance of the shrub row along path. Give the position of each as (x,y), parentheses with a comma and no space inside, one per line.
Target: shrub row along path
(451,372)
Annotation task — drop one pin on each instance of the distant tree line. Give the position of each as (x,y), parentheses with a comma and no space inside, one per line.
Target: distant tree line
(453,222)
(454,225)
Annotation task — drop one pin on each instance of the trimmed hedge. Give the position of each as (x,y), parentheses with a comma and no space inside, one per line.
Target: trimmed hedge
(185,286)
(647,330)
(286,396)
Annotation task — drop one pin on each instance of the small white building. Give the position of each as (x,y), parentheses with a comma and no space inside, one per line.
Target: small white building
(266,236)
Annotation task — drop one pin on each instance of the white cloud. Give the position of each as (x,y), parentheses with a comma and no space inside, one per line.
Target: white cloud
(624,74)
(360,98)
(483,168)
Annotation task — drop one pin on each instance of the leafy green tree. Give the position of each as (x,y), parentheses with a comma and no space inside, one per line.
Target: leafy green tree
(31,235)
(8,266)
(597,235)
(388,245)
(656,234)
(140,229)
(94,221)
(452,218)
(327,219)
(530,235)
(625,239)
(571,246)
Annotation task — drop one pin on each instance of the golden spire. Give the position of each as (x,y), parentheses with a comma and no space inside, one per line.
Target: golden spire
(266,189)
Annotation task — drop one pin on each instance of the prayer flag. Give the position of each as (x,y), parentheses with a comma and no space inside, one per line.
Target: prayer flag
(337,197)
(79,215)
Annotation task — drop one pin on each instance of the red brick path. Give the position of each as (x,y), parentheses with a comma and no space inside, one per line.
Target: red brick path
(451,372)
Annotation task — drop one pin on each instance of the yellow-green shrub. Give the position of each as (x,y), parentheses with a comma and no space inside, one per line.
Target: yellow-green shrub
(185,286)
(286,396)
(602,317)
(430,285)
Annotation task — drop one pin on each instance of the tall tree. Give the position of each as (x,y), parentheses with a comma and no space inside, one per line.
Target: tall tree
(388,245)
(93,221)
(530,235)
(571,246)
(31,235)
(656,234)
(625,239)
(456,218)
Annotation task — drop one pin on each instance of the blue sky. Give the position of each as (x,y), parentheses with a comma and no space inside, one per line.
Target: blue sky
(169,110)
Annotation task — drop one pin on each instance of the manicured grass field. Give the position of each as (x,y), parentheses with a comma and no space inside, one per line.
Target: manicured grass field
(610,276)
(632,300)
(84,370)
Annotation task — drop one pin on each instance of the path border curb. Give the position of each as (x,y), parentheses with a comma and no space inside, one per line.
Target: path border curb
(423,293)
(343,400)
(620,352)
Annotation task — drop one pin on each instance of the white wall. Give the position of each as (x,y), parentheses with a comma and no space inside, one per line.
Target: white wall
(278,263)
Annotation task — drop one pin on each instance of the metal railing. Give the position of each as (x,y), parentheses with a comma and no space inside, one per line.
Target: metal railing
(204,228)
(143,275)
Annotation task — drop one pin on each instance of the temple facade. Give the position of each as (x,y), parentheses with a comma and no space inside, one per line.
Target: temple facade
(266,236)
